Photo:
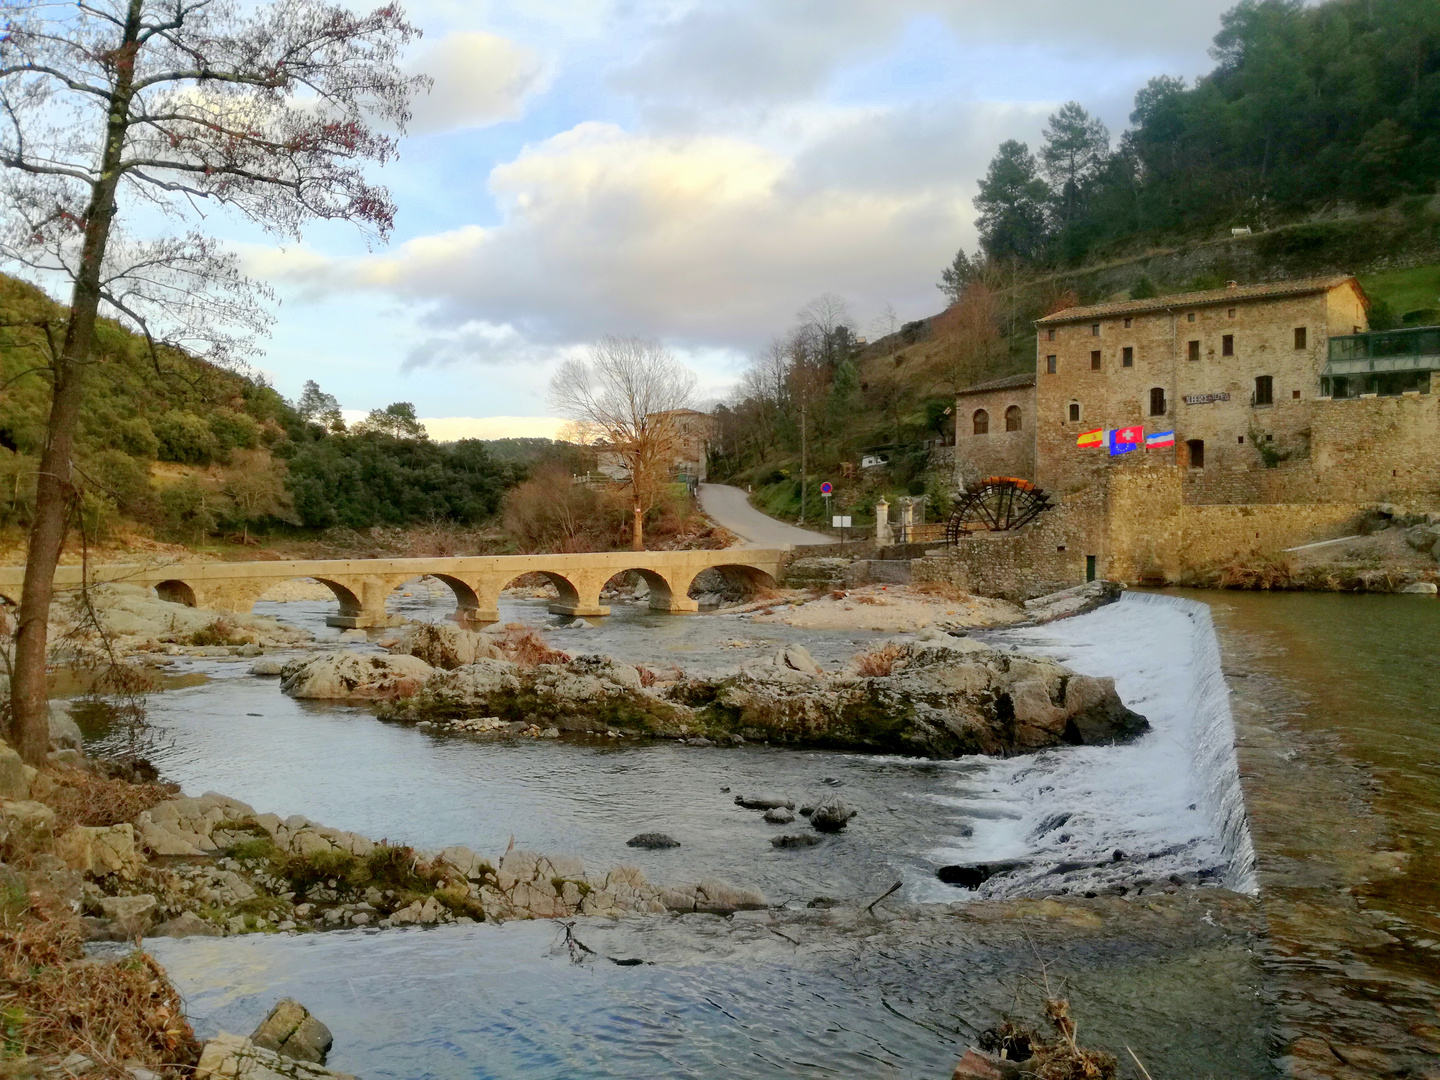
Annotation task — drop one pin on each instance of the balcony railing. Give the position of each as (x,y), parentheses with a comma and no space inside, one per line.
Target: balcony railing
(1416,349)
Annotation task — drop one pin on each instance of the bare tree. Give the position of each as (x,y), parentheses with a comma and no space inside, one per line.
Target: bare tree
(270,110)
(629,397)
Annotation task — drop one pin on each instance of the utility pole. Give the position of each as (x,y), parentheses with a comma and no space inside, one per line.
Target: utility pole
(804,461)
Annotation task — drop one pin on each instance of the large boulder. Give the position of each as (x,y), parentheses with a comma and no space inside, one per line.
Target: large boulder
(26,825)
(293,1032)
(64,732)
(132,916)
(14,783)
(350,676)
(445,645)
(233,1057)
(99,851)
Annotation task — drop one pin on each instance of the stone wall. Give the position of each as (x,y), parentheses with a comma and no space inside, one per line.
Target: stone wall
(998,452)
(1371,449)
(1138,527)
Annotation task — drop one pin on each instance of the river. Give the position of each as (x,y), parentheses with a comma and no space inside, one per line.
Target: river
(899,995)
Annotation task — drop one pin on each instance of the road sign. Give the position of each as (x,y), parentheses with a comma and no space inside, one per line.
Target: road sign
(827,488)
(838,522)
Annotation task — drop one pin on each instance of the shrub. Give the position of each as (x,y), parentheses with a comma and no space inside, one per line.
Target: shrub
(187,510)
(185,438)
(234,431)
(877,663)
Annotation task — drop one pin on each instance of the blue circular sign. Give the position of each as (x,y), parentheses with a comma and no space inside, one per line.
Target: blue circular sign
(827,488)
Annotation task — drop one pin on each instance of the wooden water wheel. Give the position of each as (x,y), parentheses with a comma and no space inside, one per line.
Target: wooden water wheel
(996,504)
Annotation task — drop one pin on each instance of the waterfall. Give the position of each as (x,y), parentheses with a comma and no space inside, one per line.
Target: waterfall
(1212,740)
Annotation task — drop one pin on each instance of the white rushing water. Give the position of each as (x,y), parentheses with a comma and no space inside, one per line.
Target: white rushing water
(1090,818)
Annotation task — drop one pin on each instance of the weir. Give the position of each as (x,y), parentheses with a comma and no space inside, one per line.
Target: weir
(1217,767)
(361,586)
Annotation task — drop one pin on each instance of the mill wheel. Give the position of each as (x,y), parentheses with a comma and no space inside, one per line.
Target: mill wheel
(996,504)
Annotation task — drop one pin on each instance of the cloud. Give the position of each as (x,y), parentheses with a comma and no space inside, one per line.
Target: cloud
(751,54)
(479,78)
(706,241)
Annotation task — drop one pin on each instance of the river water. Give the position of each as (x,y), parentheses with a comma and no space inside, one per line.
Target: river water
(720,998)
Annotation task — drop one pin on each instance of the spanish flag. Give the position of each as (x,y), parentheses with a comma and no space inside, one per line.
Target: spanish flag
(1094,438)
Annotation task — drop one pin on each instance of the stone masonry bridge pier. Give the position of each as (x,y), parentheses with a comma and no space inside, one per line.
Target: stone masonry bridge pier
(361,586)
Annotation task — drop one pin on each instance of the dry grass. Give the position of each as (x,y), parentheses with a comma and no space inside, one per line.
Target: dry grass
(942,590)
(522,645)
(1275,572)
(878,663)
(221,631)
(80,797)
(55,1002)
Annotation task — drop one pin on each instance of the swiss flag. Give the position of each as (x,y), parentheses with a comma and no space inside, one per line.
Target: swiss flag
(1134,436)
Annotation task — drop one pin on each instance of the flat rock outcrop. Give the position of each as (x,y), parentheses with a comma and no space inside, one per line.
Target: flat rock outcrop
(940,697)
(945,697)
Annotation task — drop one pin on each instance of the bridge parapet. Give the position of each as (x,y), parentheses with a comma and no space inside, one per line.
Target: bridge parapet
(362,586)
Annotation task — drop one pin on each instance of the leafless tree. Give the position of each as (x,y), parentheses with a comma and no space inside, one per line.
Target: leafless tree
(969,335)
(629,397)
(271,110)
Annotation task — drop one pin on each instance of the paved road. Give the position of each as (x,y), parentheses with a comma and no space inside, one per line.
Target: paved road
(730,507)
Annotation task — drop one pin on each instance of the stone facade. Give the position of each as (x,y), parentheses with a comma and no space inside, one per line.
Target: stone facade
(995,430)
(1235,373)
(1133,525)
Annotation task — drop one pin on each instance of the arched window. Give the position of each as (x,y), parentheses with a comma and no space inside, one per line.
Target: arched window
(1264,390)
(1074,411)
(1012,418)
(982,422)
(1157,401)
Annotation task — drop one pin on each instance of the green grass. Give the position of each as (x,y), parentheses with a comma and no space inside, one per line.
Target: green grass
(1405,290)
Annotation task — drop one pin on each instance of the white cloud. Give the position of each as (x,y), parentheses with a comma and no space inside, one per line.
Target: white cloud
(479,79)
(702,240)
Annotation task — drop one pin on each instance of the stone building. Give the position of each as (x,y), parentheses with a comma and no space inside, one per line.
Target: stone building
(1291,419)
(1233,372)
(995,430)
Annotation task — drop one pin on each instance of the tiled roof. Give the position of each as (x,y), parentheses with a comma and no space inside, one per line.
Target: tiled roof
(1269,290)
(1010,382)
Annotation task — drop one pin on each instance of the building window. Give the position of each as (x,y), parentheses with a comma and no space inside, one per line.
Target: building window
(1301,336)
(1050,334)
(1095,360)
(1227,345)
(1240,439)
(1196,451)
(1157,401)
(1295,394)
(1127,356)
(1012,418)
(1190,317)
(1049,365)
(982,422)
(1232,315)
(1074,412)
(1194,350)
(1264,390)
(1129,322)
(1095,329)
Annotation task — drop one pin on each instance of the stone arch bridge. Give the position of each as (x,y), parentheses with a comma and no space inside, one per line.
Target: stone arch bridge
(361,586)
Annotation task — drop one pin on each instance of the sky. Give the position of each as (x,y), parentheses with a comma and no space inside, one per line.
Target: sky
(687,170)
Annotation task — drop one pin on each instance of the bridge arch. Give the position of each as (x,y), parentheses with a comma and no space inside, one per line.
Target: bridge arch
(175,591)
(661,590)
(569,593)
(749,580)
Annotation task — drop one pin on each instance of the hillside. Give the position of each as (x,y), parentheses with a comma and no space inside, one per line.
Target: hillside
(904,382)
(171,449)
